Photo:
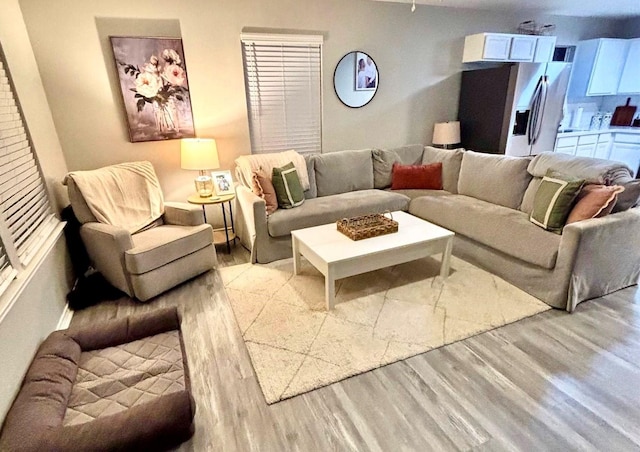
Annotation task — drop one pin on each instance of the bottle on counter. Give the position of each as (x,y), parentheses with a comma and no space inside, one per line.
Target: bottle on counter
(596,121)
(606,120)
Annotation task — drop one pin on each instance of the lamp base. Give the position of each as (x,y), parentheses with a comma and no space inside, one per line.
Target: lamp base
(204,186)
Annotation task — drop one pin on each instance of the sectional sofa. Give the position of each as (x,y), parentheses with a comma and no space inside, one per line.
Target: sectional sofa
(486,200)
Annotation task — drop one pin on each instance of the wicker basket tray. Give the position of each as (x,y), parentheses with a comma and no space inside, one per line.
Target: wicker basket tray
(367,226)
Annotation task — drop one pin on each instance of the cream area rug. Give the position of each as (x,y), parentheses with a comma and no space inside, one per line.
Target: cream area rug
(380,317)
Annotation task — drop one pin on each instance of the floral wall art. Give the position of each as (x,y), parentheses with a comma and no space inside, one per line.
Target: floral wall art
(155,88)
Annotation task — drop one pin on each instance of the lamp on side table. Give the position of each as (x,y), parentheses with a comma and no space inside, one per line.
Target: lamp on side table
(200,154)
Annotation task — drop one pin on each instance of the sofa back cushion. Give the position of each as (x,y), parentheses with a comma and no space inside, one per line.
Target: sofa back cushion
(383,160)
(498,179)
(340,172)
(451,160)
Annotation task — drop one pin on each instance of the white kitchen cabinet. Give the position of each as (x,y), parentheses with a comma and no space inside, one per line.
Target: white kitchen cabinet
(507,47)
(597,66)
(586,145)
(630,78)
(628,154)
(522,48)
(545,45)
(603,146)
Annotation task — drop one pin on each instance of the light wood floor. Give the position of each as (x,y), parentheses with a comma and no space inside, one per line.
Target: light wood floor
(555,381)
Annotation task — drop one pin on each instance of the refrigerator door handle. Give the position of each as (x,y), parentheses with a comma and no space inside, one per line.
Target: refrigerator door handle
(533,113)
(544,89)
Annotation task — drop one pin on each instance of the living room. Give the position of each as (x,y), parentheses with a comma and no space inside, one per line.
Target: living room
(62,67)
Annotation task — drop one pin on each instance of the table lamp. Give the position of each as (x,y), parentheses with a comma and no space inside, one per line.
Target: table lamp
(200,154)
(446,133)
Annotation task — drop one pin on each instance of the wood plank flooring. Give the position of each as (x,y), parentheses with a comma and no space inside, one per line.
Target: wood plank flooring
(555,381)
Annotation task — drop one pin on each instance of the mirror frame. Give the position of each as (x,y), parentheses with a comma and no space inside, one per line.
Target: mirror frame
(334,79)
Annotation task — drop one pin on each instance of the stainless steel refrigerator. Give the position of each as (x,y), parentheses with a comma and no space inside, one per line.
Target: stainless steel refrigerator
(513,109)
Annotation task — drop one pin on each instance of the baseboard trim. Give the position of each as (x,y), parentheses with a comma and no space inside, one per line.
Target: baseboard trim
(65,318)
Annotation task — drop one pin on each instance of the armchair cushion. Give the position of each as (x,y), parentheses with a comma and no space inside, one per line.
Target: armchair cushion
(156,247)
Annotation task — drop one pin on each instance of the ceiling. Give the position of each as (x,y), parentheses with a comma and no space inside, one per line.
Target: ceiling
(580,8)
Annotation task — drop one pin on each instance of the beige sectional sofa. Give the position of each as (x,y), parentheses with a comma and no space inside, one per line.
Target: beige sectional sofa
(486,201)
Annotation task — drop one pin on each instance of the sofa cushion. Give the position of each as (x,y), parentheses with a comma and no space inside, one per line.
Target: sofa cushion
(498,179)
(383,160)
(263,187)
(328,209)
(529,194)
(156,247)
(498,227)
(594,201)
(630,197)
(312,192)
(451,160)
(286,183)
(425,177)
(416,193)
(553,201)
(344,171)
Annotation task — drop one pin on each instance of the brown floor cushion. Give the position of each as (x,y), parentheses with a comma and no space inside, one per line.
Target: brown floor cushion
(122,385)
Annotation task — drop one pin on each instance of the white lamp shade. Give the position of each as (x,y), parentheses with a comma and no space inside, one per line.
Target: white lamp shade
(446,132)
(199,154)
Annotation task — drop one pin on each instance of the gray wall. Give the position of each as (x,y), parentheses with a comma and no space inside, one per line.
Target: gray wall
(418,57)
(37,309)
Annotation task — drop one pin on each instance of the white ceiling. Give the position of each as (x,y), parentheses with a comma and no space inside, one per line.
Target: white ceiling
(582,8)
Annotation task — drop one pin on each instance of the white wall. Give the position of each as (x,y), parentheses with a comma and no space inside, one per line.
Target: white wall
(37,310)
(418,57)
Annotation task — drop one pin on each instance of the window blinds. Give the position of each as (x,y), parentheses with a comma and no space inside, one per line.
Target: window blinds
(283,82)
(25,214)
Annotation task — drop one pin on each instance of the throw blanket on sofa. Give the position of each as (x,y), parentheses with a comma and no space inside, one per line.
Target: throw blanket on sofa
(127,195)
(247,164)
(595,171)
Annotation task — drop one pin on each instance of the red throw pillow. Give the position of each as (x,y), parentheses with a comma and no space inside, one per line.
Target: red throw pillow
(427,177)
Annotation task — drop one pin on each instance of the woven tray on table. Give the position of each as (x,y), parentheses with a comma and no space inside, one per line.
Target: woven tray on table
(367,226)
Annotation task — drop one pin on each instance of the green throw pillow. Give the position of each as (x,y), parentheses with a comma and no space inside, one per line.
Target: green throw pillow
(554,200)
(288,187)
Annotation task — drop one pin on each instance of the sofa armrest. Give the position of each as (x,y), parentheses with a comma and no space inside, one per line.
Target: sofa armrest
(183,214)
(106,245)
(606,256)
(254,215)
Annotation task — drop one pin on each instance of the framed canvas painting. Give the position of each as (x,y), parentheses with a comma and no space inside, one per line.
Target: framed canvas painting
(366,72)
(154,86)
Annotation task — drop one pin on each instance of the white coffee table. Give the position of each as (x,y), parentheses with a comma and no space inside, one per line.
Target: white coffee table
(336,256)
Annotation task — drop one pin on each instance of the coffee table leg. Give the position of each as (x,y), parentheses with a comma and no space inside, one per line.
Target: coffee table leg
(330,289)
(446,259)
(296,255)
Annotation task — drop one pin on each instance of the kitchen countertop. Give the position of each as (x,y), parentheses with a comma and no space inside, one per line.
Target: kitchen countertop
(622,129)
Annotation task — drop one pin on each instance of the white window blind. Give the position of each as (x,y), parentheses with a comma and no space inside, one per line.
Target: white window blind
(26,218)
(283,82)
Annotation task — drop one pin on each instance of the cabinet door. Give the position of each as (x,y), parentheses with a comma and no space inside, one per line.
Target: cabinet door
(586,150)
(571,150)
(607,67)
(522,48)
(630,79)
(545,45)
(496,47)
(602,151)
(626,153)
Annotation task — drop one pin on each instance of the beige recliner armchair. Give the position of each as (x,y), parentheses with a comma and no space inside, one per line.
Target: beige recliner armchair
(140,244)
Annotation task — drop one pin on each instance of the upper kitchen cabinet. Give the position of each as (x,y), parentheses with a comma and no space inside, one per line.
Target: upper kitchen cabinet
(597,67)
(508,47)
(630,79)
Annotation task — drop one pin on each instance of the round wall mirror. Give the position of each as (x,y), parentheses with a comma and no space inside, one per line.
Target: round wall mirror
(356,79)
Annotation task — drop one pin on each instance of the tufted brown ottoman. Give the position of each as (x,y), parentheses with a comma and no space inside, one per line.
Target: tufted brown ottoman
(122,385)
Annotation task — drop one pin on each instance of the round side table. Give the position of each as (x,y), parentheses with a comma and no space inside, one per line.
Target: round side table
(222,235)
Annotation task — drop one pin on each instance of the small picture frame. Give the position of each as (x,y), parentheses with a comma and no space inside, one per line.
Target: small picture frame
(222,182)
(366,73)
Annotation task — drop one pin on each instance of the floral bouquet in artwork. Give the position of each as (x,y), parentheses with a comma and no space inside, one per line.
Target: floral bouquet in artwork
(159,85)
